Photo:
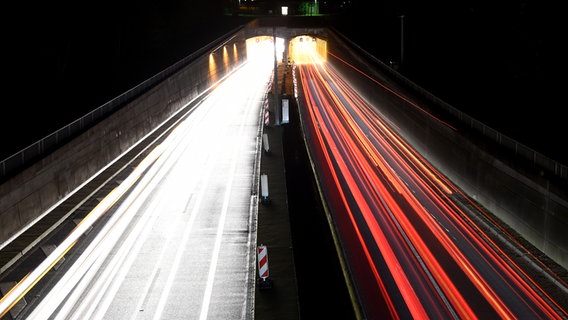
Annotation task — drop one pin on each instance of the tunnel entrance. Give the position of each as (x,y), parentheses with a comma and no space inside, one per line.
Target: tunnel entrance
(299,49)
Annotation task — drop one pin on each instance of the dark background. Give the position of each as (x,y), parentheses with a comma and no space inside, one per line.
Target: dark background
(501,62)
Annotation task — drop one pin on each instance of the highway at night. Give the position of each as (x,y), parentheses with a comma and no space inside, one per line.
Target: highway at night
(170,225)
(415,245)
(176,238)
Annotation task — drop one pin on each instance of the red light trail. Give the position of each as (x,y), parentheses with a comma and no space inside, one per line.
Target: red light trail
(413,250)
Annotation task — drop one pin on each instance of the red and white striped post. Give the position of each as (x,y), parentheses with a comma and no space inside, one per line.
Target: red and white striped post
(264,282)
(266,113)
(263,261)
(266,106)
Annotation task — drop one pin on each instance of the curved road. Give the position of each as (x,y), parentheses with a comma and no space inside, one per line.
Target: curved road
(181,243)
(412,246)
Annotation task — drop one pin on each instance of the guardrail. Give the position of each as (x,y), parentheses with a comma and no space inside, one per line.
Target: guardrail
(29,155)
(532,156)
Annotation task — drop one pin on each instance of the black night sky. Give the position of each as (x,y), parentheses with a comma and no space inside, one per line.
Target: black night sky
(501,62)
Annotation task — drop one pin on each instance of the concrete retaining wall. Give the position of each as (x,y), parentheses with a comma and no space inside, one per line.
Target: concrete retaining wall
(531,200)
(30,193)
(536,205)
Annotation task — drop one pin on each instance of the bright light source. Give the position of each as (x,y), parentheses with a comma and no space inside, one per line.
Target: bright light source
(212,67)
(284,11)
(262,48)
(307,49)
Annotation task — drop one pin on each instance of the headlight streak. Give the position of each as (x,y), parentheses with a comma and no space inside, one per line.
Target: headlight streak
(108,280)
(87,289)
(35,276)
(374,162)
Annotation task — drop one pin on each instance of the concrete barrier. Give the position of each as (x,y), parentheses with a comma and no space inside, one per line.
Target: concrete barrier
(27,195)
(529,198)
(533,202)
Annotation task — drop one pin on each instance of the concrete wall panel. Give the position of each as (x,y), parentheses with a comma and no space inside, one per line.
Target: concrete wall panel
(27,195)
(535,206)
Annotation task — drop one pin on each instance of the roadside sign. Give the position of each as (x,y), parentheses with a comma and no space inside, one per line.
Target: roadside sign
(263,262)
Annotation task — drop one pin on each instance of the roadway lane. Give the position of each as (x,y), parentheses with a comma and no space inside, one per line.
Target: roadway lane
(413,249)
(181,244)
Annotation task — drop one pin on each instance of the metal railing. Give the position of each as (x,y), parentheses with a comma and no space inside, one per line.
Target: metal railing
(518,149)
(29,155)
